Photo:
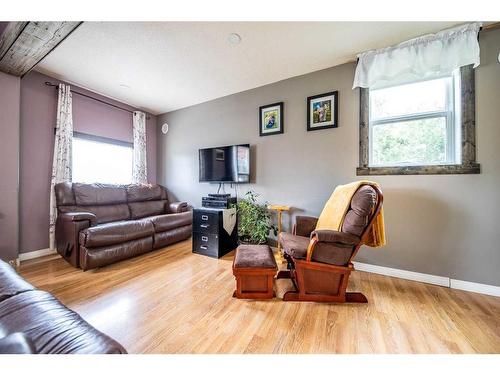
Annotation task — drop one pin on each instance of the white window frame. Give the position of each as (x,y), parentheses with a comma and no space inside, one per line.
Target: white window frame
(451,113)
(465,115)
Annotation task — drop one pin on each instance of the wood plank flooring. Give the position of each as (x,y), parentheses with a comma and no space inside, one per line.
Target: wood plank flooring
(173,301)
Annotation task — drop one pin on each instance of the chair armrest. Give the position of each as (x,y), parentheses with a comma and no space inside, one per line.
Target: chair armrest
(304,225)
(16,343)
(77,216)
(333,236)
(177,207)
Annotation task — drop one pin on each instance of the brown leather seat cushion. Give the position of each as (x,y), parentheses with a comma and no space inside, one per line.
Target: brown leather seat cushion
(254,256)
(162,223)
(11,283)
(117,232)
(51,326)
(293,245)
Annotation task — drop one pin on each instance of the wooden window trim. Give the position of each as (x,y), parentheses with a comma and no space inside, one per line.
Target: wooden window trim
(468,125)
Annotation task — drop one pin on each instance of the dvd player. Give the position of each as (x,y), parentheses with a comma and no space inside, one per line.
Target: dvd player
(218,201)
(219,195)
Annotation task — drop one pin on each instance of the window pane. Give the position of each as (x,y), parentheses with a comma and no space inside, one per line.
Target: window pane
(101,162)
(410,142)
(427,96)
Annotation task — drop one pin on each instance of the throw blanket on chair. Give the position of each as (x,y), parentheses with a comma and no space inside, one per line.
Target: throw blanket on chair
(337,206)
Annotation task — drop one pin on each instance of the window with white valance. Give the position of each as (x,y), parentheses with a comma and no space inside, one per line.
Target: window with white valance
(416,101)
(422,58)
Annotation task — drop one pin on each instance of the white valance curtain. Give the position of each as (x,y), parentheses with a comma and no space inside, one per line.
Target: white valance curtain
(425,57)
(139,168)
(61,162)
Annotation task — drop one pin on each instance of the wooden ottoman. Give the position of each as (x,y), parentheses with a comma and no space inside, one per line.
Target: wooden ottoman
(254,268)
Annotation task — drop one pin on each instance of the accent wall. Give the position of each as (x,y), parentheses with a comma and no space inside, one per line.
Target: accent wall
(446,225)
(38,118)
(9,165)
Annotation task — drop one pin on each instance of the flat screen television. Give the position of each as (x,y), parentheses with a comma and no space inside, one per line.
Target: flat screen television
(225,164)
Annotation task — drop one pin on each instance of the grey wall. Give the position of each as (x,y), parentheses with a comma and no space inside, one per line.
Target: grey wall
(441,225)
(9,165)
(38,117)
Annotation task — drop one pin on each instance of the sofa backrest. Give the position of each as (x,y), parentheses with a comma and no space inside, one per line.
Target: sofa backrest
(146,200)
(112,202)
(362,204)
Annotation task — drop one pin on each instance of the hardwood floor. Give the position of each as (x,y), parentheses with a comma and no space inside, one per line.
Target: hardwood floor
(173,301)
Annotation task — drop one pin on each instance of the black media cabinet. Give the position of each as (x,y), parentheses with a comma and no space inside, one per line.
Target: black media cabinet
(209,236)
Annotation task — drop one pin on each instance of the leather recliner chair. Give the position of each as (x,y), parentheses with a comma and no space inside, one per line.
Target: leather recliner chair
(99,224)
(322,273)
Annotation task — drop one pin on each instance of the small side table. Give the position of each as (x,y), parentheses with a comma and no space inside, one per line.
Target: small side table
(279,209)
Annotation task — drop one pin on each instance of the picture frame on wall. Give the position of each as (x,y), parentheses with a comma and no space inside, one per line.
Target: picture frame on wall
(271,119)
(323,111)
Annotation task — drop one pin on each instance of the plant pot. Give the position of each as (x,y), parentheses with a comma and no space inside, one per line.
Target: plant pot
(244,241)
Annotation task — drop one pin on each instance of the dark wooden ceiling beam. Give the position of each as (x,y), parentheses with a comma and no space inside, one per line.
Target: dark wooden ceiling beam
(25,44)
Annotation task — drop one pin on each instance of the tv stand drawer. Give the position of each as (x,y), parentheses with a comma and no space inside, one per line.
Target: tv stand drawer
(205,222)
(206,244)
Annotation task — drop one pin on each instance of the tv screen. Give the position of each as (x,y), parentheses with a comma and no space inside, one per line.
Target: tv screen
(225,164)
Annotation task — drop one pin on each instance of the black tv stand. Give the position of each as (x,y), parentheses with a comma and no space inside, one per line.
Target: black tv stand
(209,236)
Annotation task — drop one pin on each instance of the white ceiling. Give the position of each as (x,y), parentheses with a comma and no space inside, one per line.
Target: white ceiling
(171,65)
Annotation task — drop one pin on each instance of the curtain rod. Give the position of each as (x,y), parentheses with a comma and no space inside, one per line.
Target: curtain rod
(491,26)
(96,99)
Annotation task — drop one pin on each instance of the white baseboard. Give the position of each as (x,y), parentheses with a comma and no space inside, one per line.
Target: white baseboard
(403,274)
(468,286)
(36,254)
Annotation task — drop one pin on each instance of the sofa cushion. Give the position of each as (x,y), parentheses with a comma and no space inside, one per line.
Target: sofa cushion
(102,256)
(332,253)
(162,239)
(10,282)
(162,223)
(104,214)
(99,194)
(116,232)
(143,192)
(139,210)
(362,204)
(295,246)
(51,326)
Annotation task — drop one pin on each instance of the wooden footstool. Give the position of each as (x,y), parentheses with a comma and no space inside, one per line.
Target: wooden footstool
(254,268)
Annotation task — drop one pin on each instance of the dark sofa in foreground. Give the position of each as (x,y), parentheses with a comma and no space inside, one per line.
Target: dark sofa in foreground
(100,224)
(34,321)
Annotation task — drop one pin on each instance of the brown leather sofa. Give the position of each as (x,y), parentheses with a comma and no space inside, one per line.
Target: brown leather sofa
(33,321)
(100,224)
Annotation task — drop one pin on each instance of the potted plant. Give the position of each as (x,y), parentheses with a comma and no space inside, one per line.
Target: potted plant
(254,220)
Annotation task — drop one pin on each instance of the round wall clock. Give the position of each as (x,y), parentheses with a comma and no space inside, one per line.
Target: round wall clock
(164,128)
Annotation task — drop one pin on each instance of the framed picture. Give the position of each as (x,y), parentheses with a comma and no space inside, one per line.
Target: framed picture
(323,111)
(271,119)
